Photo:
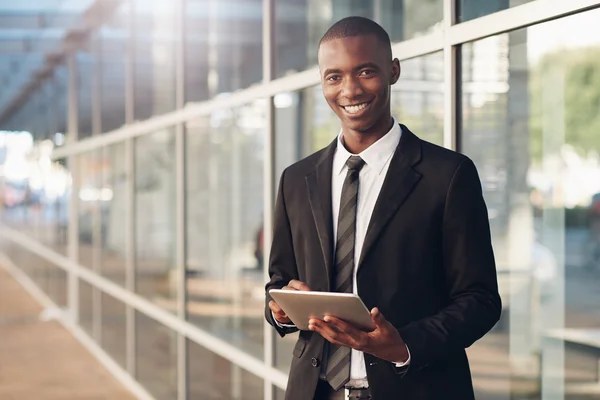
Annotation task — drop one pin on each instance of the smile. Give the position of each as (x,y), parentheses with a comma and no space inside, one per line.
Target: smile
(356,108)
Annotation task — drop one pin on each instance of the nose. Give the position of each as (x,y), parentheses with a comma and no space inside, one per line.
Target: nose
(351,88)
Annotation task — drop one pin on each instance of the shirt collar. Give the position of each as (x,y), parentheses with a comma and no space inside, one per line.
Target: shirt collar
(375,156)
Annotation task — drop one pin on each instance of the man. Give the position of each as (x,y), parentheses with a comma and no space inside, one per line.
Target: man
(397,220)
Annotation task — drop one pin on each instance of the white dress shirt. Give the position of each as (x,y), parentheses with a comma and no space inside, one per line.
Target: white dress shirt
(377,159)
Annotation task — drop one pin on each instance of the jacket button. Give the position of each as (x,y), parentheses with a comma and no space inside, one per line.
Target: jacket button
(314,362)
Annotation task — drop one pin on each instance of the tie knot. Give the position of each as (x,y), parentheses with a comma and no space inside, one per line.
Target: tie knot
(355,163)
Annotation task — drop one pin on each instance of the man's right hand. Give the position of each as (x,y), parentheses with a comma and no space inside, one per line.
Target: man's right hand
(278,313)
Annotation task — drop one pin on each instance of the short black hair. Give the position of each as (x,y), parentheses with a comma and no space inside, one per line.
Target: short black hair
(357,26)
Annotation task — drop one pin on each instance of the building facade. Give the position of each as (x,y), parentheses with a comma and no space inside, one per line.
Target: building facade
(140,163)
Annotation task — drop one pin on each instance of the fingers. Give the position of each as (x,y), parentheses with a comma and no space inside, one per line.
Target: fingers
(377,317)
(339,332)
(278,313)
(297,285)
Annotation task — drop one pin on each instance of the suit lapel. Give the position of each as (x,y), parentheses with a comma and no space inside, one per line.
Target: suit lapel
(318,184)
(398,184)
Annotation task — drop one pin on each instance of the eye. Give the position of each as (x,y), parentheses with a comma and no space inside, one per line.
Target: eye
(367,72)
(333,78)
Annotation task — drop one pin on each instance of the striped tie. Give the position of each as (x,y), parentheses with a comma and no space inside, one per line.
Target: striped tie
(338,363)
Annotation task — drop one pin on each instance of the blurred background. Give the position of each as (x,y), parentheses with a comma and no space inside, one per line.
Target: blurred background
(141,143)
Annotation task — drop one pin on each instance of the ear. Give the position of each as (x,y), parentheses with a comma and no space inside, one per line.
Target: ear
(395,71)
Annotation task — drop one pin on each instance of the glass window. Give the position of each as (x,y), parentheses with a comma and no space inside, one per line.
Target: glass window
(156,358)
(90,185)
(155,217)
(224,46)
(225,155)
(300,24)
(213,378)
(85,61)
(471,9)
(86,307)
(57,285)
(418,97)
(111,50)
(113,208)
(154,58)
(530,123)
(114,340)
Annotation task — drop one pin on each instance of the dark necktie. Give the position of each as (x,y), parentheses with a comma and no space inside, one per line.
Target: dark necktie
(338,363)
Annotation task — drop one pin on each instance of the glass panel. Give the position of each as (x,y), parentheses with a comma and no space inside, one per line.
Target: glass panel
(225,198)
(112,47)
(224,46)
(57,285)
(154,58)
(85,71)
(214,378)
(112,213)
(17,195)
(279,394)
(90,178)
(299,25)
(156,358)
(155,217)
(56,194)
(86,320)
(531,125)
(471,9)
(418,97)
(114,328)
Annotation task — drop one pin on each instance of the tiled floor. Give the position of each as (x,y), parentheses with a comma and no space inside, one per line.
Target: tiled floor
(42,360)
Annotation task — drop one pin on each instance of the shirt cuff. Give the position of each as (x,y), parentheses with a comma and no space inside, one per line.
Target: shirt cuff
(404,363)
(279,324)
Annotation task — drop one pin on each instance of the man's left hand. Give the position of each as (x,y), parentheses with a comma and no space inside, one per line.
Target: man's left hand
(383,342)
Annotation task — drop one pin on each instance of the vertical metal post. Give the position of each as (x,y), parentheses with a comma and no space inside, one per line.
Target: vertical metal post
(130,220)
(268,175)
(450,80)
(73,227)
(96,217)
(180,201)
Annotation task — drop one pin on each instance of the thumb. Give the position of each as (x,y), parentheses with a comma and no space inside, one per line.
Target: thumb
(377,317)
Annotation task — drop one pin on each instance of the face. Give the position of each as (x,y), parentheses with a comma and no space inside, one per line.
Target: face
(356,75)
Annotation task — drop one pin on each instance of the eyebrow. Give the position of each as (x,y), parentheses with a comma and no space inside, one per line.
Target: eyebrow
(359,67)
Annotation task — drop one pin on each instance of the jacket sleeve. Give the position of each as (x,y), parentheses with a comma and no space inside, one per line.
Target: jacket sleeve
(474,304)
(282,262)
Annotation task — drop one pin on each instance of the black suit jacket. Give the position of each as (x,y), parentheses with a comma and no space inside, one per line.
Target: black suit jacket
(427,263)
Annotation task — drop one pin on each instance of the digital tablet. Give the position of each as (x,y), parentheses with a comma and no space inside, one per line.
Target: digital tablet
(300,306)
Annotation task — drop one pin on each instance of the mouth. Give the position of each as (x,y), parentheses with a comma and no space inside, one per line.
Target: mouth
(356,109)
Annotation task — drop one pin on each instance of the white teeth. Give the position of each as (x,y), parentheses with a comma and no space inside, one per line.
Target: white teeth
(355,109)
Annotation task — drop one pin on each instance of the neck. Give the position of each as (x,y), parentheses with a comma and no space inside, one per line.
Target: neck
(356,141)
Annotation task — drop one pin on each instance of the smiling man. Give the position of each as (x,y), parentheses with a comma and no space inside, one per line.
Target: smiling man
(394,219)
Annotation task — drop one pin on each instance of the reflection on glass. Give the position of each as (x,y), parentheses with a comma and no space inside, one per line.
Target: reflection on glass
(213,378)
(112,211)
(299,25)
(224,230)
(114,328)
(418,97)
(530,123)
(111,46)
(85,61)
(471,9)
(156,358)
(155,217)
(34,190)
(154,58)
(57,285)
(86,308)
(224,46)
(90,186)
